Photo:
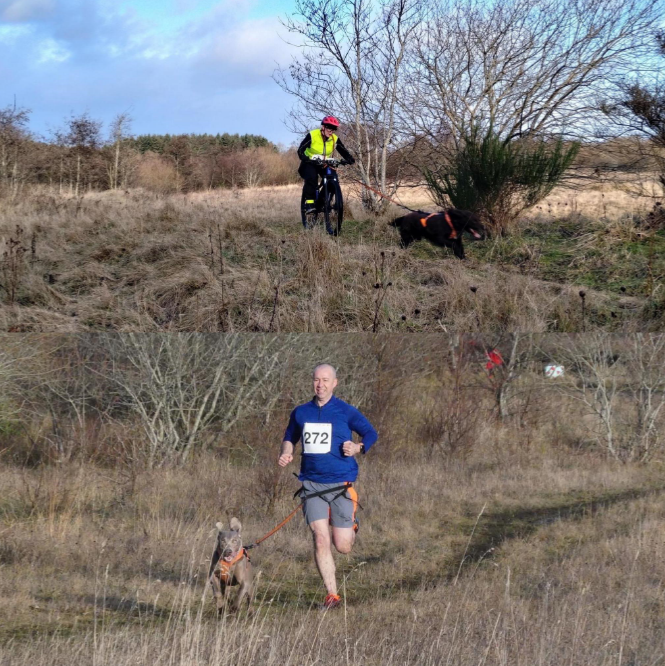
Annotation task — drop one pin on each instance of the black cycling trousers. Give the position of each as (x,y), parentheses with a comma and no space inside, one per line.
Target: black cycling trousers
(310,174)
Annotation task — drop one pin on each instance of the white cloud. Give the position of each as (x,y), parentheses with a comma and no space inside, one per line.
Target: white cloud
(52,51)
(240,55)
(211,74)
(157,52)
(11,33)
(18,11)
(253,44)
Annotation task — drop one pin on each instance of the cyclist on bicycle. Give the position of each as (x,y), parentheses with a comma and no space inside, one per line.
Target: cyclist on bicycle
(319,143)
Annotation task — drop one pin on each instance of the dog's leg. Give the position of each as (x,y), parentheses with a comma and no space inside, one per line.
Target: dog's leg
(243,592)
(213,561)
(458,248)
(250,592)
(217,592)
(223,601)
(215,581)
(405,239)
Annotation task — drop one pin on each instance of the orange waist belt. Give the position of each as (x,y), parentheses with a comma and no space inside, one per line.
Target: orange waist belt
(453,232)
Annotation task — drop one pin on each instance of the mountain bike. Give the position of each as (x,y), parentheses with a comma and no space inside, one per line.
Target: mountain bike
(329,200)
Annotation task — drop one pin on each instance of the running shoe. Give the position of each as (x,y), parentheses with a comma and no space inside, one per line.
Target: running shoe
(332,601)
(356,525)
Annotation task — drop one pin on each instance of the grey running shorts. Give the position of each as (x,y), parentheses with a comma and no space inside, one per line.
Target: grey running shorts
(338,507)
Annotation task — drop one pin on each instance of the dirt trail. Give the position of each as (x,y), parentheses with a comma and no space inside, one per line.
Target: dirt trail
(484,536)
(489,531)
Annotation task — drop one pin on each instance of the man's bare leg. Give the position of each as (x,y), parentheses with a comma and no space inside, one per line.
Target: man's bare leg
(343,539)
(323,554)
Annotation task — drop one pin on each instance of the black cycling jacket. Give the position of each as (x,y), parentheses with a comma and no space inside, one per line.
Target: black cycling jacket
(339,146)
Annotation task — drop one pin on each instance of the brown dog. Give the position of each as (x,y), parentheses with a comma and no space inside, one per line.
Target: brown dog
(230,566)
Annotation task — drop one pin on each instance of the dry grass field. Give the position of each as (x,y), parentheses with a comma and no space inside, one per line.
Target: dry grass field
(524,557)
(240,261)
(514,541)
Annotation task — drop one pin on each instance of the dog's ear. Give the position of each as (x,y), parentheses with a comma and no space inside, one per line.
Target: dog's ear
(236,526)
(396,222)
(220,527)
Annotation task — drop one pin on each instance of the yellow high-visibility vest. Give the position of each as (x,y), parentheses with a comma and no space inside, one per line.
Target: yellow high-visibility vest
(319,146)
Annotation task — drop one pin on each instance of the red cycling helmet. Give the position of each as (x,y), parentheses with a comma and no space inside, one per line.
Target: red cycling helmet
(330,120)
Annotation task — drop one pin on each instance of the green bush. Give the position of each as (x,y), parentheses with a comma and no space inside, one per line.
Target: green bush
(497,178)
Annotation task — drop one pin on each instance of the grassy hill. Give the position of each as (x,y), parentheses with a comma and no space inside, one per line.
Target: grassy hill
(240,261)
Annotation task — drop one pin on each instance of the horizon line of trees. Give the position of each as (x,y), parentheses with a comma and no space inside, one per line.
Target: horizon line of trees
(160,143)
(498,183)
(79,157)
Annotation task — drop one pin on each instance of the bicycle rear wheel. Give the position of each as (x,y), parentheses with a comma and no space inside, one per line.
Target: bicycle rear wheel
(334,209)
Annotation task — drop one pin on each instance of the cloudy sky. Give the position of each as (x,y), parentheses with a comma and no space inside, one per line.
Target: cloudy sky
(175,65)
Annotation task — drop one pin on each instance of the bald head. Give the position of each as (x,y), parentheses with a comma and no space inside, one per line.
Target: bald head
(326,366)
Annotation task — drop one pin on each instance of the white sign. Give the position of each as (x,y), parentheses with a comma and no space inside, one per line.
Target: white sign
(552,371)
(316,437)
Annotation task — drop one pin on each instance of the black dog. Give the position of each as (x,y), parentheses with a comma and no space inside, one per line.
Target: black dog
(444,229)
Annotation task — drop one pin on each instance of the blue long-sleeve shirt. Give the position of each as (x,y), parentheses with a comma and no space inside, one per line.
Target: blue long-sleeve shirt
(323,431)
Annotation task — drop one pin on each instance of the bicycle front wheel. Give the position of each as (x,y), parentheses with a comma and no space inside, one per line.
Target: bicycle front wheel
(334,209)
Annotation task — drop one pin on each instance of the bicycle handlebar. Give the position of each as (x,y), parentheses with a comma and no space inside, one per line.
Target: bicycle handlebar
(331,162)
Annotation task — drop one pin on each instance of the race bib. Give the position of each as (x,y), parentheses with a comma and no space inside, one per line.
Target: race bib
(316,437)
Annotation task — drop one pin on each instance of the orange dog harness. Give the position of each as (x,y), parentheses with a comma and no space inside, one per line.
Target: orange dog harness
(453,233)
(225,567)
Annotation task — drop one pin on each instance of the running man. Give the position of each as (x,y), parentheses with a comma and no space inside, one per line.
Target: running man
(319,143)
(324,425)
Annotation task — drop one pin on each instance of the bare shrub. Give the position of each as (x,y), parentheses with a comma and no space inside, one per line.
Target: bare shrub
(620,382)
(277,168)
(157,174)
(452,420)
(451,425)
(516,355)
(272,484)
(645,360)
(592,378)
(178,386)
